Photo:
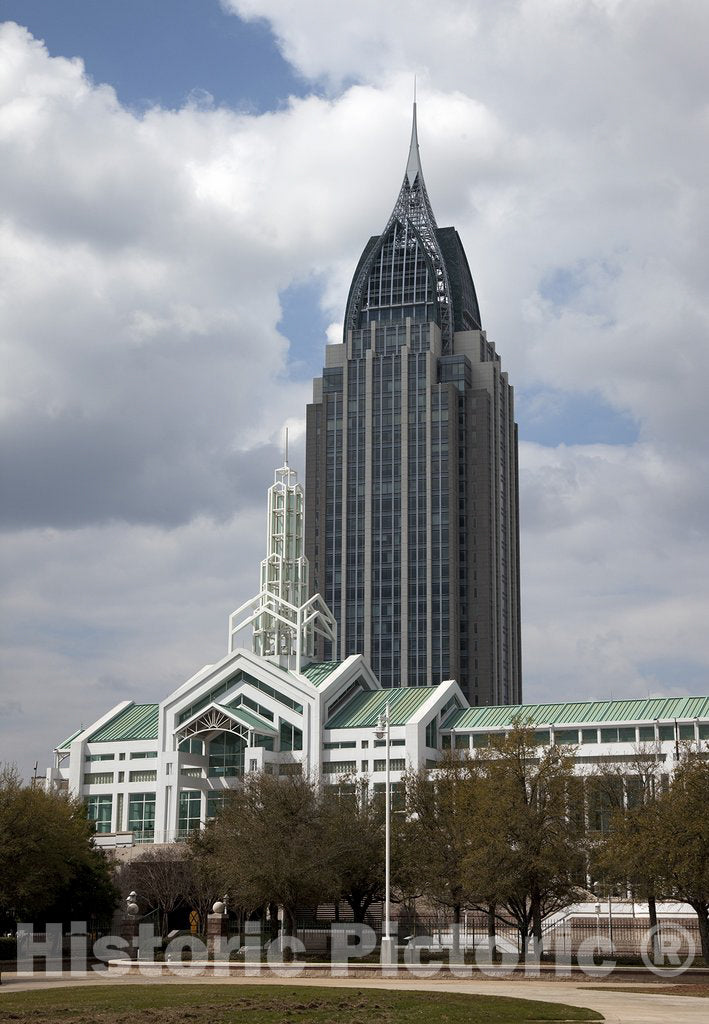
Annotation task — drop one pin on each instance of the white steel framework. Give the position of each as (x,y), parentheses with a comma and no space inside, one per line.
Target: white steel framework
(285,619)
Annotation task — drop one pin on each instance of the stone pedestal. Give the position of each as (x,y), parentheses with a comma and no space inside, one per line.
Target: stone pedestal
(216,936)
(129,932)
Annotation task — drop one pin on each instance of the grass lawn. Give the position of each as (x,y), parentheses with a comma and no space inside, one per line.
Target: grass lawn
(244,1004)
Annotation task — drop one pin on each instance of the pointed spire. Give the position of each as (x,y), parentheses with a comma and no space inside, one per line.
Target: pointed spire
(413,164)
(413,211)
(412,202)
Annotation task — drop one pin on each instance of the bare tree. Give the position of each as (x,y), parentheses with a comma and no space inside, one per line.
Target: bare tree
(163,880)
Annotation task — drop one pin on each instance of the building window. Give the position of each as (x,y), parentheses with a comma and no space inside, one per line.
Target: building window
(242,699)
(228,684)
(215,804)
(666,732)
(353,688)
(566,735)
(141,816)
(398,794)
(99,810)
(192,746)
(589,735)
(432,734)
(143,753)
(292,737)
(339,767)
(603,799)
(142,776)
(646,733)
(190,812)
(396,764)
(226,755)
(98,778)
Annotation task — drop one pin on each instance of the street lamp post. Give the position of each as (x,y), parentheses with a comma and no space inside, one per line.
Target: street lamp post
(598,924)
(388,951)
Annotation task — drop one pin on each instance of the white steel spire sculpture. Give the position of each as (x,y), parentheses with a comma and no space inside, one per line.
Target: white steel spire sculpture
(285,619)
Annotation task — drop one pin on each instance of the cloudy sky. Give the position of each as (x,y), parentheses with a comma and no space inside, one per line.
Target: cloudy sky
(185,188)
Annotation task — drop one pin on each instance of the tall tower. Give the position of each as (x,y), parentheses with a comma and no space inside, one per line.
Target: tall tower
(411,468)
(286,622)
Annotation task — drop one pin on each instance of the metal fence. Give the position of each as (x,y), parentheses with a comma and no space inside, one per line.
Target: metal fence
(563,935)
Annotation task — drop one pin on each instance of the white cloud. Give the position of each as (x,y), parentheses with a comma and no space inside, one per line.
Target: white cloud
(146,384)
(108,612)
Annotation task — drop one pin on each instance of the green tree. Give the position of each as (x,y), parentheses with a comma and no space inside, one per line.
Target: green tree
(623,823)
(440,831)
(530,855)
(269,845)
(92,895)
(353,823)
(681,832)
(48,861)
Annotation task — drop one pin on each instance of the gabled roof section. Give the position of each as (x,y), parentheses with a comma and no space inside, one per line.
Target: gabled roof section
(136,722)
(579,712)
(65,744)
(319,671)
(364,709)
(248,718)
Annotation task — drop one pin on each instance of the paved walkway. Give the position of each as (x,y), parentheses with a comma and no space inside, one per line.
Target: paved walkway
(637,1007)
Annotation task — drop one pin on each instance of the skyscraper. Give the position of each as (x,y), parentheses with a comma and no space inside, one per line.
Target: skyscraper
(411,468)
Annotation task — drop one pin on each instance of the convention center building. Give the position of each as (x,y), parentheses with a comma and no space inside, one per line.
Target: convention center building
(151,773)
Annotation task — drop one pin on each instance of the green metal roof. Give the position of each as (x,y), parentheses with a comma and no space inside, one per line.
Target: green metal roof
(137,722)
(319,671)
(364,709)
(579,712)
(248,718)
(65,744)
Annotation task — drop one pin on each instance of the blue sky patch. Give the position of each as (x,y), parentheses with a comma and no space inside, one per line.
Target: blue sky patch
(562,285)
(688,676)
(584,286)
(304,323)
(154,52)
(551,417)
